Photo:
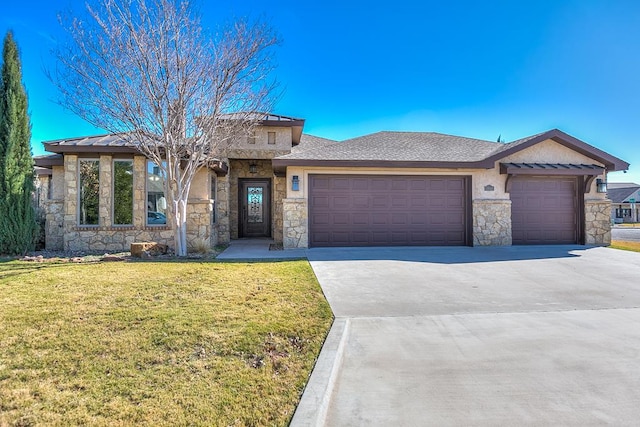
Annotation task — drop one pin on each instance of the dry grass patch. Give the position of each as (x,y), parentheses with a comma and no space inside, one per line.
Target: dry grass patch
(627,246)
(164,343)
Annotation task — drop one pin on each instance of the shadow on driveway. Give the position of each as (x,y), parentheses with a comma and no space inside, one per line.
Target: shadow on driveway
(445,254)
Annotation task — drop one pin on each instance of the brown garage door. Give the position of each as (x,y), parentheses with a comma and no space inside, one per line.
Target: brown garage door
(357,210)
(544,211)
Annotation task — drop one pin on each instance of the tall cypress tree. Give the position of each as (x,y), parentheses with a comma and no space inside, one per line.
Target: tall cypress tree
(18,226)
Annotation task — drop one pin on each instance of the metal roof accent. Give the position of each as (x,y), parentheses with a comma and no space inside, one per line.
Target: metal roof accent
(550,169)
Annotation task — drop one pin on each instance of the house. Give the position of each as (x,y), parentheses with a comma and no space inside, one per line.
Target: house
(387,188)
(624,196)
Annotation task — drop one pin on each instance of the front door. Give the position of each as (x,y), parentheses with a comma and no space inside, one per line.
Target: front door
(255,208)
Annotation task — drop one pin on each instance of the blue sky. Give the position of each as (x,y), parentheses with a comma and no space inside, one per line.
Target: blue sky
(470,68)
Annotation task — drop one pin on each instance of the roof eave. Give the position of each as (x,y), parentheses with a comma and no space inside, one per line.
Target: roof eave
(283,163)
(83,149)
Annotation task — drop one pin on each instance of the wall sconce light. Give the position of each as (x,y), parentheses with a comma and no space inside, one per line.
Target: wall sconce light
(253,168)
(601,186)
(295,183)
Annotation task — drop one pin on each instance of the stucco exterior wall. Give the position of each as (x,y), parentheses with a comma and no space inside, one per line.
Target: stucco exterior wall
(241,148)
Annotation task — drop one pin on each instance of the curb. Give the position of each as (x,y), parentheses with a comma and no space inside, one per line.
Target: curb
(315,401)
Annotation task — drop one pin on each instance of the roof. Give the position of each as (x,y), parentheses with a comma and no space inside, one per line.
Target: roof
(404,147)
(311,142)
(622,195)
(108,142)
(430,149)
(622,184)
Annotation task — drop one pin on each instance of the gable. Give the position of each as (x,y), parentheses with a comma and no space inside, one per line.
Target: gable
(549,151)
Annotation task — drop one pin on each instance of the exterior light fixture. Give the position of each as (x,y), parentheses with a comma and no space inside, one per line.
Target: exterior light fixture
(295,183)
(601,186)
(253,168)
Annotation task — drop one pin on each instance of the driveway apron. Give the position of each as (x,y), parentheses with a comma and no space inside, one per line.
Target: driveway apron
(477,336)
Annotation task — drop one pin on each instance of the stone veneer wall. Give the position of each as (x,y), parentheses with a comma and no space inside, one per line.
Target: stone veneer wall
(53,224)
(239,169)
(597,215)
(63,231)
(279,194)
(221,230)
(295,224)
(492,223)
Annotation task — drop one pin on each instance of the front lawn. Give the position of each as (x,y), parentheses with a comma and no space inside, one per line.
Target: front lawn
(157,343)
(627,246)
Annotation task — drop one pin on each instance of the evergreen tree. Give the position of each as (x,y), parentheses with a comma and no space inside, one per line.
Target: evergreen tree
(18,226)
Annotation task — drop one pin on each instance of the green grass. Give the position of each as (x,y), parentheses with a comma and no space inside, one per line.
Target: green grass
(158,343)
(627,246)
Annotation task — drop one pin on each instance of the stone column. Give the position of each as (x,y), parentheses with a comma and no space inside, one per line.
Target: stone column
(106,197)
(279,194)
(492,223)
(597,224)
(71,197)
(222,227)
(139,195)
(294,224)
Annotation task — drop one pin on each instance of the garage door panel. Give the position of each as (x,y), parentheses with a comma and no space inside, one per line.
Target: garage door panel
(379,218)
(544,210)
(379,201)
(360,184)
(320,201)
(339,202)
(381,210)
(340,218)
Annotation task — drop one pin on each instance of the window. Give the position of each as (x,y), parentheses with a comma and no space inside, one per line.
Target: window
(271,137)
(156,202)
(123,192)
(89,184)
(213,198)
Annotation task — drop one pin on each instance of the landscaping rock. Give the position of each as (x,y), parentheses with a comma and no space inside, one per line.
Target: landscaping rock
(152,248)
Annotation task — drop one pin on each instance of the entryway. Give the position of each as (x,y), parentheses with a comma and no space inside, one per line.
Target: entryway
(255,207)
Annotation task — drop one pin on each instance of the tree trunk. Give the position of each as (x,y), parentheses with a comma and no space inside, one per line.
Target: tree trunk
(180,235)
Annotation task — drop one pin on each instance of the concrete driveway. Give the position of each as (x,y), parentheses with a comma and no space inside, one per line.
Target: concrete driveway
(477,336)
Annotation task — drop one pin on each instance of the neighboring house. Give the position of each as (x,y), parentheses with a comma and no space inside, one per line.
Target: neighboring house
(624,197)
(387,188)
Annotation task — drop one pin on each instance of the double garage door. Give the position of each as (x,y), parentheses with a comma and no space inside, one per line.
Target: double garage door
(365,210)
(371,210)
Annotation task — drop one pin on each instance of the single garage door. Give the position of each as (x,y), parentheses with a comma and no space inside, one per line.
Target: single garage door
(544,211)
(364,210)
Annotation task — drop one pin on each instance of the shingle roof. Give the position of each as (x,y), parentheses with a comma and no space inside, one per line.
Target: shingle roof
(311,142)
(619,195)
(402,146)
(429,149)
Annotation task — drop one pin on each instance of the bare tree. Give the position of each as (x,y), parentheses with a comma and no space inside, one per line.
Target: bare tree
(146,69)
